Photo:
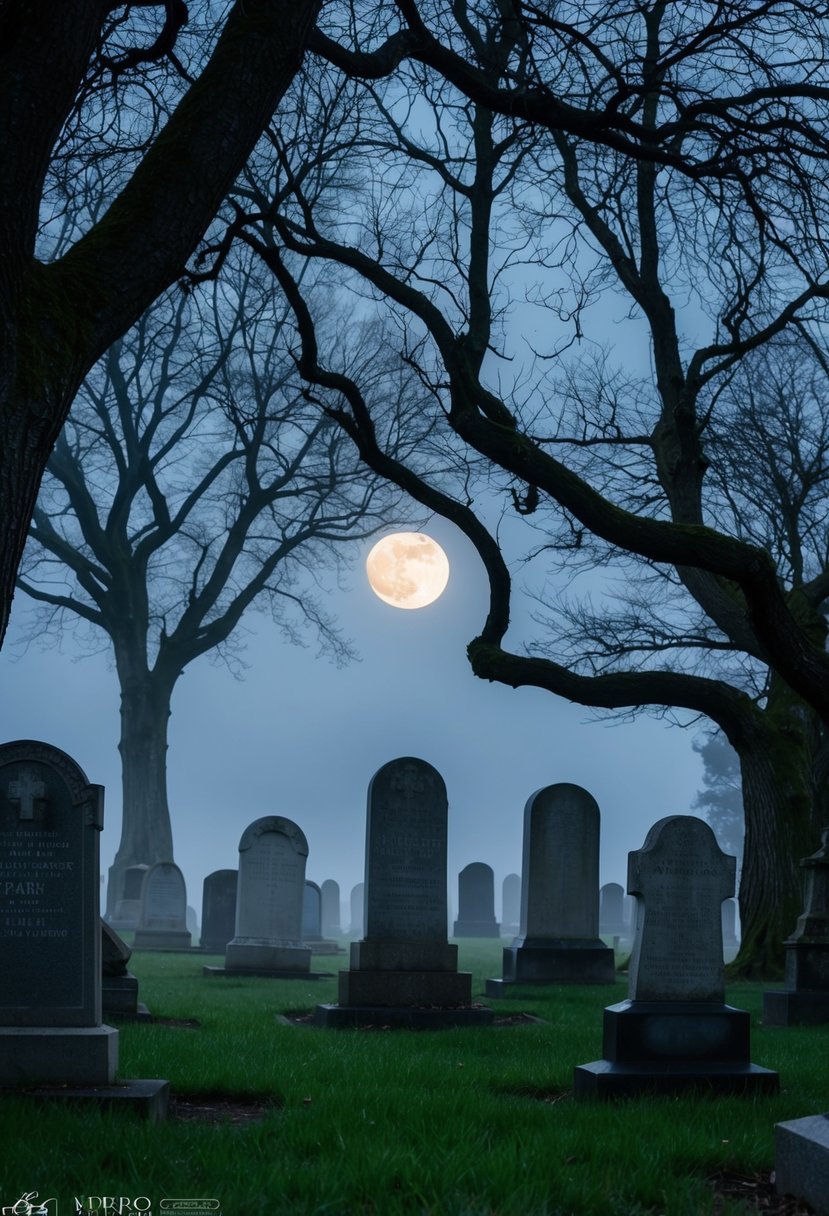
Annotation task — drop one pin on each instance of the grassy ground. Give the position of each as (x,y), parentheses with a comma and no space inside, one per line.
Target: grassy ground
(475,1122)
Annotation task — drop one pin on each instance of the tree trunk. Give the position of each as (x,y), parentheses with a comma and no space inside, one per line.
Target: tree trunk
(146,832)
(783,817)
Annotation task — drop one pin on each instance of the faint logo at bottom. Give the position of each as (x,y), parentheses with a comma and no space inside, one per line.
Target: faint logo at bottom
(191,1207)
(29,1205)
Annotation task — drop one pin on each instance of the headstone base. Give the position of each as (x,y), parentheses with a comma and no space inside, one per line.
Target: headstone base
(558,962)
(671,1046)
(476,928)
(147,1099)
(58,1055)
(119,997)
(324,947)
(408,1017)
(405,988)
(269,974)
(795,1008)
(161,939)
(266,956)
(801,1160)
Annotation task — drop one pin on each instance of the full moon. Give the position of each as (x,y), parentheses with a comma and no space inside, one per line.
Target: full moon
(407,569)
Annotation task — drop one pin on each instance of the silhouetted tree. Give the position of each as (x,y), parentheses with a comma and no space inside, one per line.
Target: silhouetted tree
(191,483)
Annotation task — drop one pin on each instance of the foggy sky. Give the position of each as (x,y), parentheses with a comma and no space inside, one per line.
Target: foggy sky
(297,737)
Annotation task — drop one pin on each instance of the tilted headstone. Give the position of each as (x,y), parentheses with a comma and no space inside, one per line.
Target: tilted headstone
(127,910)
(558,941)
(675,1030)
(612,909)
(805,999)
(404,971)
(218,910)
(163,921)
(330,896)
(511,905)
(51,1030)
(476,902)
(358,913)
(268,938)
(119,987)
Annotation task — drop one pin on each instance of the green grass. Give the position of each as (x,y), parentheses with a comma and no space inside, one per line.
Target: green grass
(474,1122)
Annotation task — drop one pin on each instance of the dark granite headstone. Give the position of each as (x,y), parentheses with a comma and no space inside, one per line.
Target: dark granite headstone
(559,939)
(801,1160)
(404,971)
(476,902)
(51,1032)
(218,910)
(675,1031)
(330,896)
(511,905)
(163,921)
(805,999)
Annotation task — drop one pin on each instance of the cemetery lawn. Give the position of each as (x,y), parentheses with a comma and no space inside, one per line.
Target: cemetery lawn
(273,1118)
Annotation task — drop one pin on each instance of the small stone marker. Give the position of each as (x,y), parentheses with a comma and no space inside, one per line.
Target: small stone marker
(510,905)
(358,915)
(268,939)
(163,921)
(674,1031)
(218,910)
(330,895)
(805,999)
(476,902)
(558,941)
(51,1032)
(801,1160)
(612,909)
(404,971)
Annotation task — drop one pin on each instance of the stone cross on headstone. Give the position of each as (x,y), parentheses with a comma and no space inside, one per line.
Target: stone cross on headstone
(680,877)
(25,792)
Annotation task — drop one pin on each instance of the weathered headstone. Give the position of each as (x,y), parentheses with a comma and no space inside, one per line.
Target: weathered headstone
(476,902)
(404,971)
(801,1160)
(612,909)
(163,924)
(119,987)
(675,1031)
(730,943)
(312,921)
(51,1032)
(218,910)
(330,895)
(127,909)
(805,999)
(559,941)
(511,905)
(191,920)
(268,938)
(358,914)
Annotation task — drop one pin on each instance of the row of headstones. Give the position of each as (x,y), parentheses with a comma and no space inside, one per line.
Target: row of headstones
(673,1029)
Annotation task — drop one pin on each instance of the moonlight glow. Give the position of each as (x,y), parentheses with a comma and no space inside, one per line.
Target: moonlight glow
(407,569)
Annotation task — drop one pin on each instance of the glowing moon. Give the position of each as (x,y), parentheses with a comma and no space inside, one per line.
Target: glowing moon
(407,569)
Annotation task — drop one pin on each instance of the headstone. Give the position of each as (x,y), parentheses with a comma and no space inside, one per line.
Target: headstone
(358,926)
(730,943)
(805,999)
(675,1032)
(311,913)
(404,971)
(801,1160)
(511,905)
(192,922)
(119,987)
(51,1032)
(268,938)
(128,908)
(218,910)
(162,924)
(476,902)
(612,909)
(330,895)
(558,941)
